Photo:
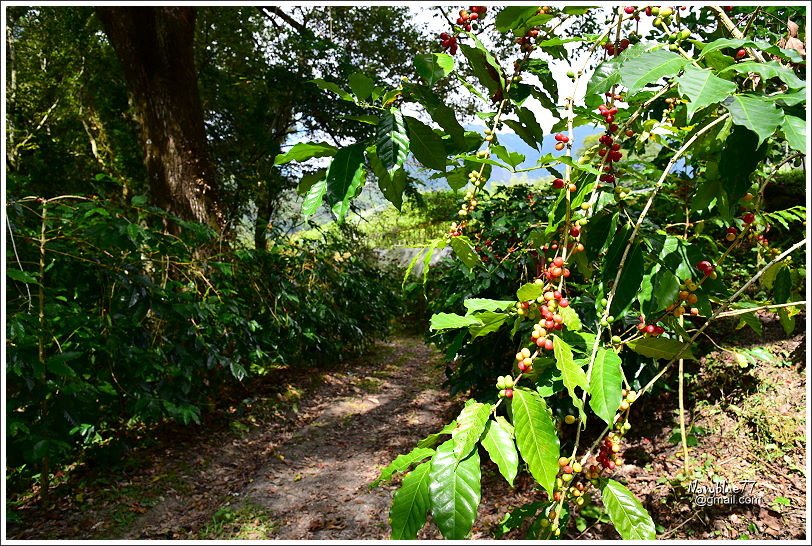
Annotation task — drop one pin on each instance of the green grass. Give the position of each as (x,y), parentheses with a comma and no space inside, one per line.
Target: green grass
(248,521)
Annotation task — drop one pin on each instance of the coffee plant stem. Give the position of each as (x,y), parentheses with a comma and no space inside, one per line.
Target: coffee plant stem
(683,434)
(735,312)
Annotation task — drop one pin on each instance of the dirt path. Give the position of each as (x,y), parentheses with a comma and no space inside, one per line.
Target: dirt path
(312,483)
(316,486)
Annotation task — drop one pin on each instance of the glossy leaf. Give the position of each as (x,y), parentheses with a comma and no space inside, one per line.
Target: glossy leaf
(401,463)
(484,65)
(703,88)
(433,67)
(314,198)
(490,321)
(660,348)
(432,439)
(535,436)
(450,321)
(470,426)
(528,119)
(731,43)
(392,142)
(640,71)
(411,504)
(606,385)
(630,519)
(345,177)
(309,180)
(464,250)
(514,159)
(454,491)
(605,77)
(768,70)
(332,87)
(426,145)
(303,151)
(361,85)
(498,442)
(480,304)
(510,17)
(523,132)
(529,291)
(541,69)
(794,129)
(392,186)
(751,111)
(571,373)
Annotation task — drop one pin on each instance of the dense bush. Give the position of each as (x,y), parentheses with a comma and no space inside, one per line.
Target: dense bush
(122,323)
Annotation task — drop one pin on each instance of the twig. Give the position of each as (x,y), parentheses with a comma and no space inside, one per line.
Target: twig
(760,308)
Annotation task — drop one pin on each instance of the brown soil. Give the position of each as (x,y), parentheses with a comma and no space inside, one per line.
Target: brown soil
(299,468)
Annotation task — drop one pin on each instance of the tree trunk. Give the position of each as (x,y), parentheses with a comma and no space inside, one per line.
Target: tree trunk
(156,48)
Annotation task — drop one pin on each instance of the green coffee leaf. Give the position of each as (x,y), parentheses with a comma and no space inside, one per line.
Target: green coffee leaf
(571,373)
(401,463)
(752,111)
(426,145)
(490,322)
(480,304)
(606,385)
(332,87)
(303,151)
(361,85)
(529,292)
(464,250)
(660,348)
(454,491)
(703,88)
(631,520)
(345,177)
(433,67)
(450,321)
(640,71)
(392,142)
(498,442)
(470,426)
(411,504)
(535,436)
(794,129)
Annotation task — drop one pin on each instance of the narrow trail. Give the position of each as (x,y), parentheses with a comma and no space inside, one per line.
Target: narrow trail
(313,483)
(317,487)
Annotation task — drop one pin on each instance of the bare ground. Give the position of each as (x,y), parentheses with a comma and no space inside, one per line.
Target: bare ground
(299,467)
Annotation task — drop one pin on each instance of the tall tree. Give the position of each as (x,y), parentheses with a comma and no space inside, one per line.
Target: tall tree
(156,48)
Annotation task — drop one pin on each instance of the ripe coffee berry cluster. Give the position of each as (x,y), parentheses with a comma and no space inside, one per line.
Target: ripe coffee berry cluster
(653,330)
(556,270)
(706,268)
(561,141)
(526,41)
(615,50)
(448,42)
(607,455)
(559,183)
(731,234)
(473,13)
